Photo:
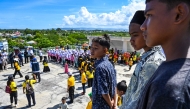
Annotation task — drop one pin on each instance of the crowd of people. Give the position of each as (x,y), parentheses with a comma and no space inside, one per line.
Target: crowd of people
(159,81)
(27,85)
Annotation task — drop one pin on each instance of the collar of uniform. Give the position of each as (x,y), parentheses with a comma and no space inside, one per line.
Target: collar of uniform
(101,60)
(149,52)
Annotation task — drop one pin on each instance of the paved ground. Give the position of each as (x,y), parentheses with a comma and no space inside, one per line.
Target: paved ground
(52,87)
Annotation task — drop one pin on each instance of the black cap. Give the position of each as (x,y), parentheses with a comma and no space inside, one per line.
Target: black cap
(138,18)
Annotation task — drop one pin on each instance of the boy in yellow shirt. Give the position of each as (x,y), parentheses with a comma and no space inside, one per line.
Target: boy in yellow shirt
(71,86)
(121,89)
(83,81)
(28,89)
(90,75)
(130,63)
(89,106)
(17,67)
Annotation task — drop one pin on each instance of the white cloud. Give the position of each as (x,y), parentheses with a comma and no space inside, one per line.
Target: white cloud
(117,19)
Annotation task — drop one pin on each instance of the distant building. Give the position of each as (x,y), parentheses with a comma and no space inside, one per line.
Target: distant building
(4,45)
(121,43)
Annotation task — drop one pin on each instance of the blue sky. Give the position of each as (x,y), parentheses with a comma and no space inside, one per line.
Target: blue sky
(45,14)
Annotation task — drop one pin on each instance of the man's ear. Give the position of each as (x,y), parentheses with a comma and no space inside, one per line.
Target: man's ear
(182,12)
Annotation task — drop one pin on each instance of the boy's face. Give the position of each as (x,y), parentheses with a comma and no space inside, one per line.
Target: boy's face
(158,24)
(97,51)
(137,38)
(63,101)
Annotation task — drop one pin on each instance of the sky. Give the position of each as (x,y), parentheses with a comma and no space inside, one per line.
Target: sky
(47,14)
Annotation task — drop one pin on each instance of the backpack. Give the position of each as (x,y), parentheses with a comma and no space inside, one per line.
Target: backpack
(29,88)
(7,89)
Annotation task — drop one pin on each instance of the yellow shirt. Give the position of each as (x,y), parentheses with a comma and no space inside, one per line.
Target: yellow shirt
(71,81)
(82,65)
(134,58)
(31,82)
(119,101)
(90,75)
(89,106)
(45,64)
(12,86)
(83,78)
(85,67)
(17,67)
(130,63)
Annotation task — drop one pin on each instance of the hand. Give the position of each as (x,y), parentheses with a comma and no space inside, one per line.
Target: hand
(112,103)
(114,107)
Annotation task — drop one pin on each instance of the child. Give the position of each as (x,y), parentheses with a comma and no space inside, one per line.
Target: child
(134,58)
(66,67)
(63,105)
(145,68)
(89,106)
(104,84)
(17,67)
(121,89)
(119,59)
(45,63)
(130,63)
(13,88)
(83,81)
(90,75)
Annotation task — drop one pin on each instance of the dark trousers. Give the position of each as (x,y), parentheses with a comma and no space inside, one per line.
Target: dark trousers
(83,87)
(38,76)
(13,94)
(40,58)
(29,96)
(31,57)
(11,61)
(130,67)
(90,81)
(26,59)
(17,71)
(21,62)
(71,93)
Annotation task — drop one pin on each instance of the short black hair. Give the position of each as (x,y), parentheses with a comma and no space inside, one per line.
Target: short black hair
(103,41)
(27,77)
(64,98)
(122,86)
(171,3)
